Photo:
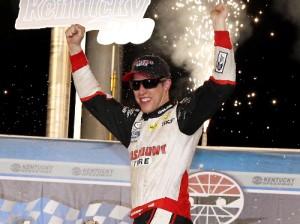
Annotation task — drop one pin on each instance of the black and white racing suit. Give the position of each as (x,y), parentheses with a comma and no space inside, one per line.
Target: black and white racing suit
(161,144)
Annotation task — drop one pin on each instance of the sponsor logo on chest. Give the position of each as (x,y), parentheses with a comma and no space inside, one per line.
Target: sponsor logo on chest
(143,156)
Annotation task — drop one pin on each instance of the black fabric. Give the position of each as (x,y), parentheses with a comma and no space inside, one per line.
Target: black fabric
(181,220)
(144,218)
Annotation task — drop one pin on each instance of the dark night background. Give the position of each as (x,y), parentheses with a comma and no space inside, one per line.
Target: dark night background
(267,66)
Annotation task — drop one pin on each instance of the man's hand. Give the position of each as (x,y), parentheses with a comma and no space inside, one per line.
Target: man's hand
(74,35)
(218,16)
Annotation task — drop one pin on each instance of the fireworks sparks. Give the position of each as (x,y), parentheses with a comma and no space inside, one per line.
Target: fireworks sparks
(193,48)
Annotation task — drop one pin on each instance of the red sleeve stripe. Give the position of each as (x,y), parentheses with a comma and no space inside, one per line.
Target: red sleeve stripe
(95,94)
(222,39)
(78,61)
(222,82)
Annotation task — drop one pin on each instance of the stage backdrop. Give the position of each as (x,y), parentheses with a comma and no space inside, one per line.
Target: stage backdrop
(70,181)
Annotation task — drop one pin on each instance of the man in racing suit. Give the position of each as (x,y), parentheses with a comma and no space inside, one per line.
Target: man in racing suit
(161,136)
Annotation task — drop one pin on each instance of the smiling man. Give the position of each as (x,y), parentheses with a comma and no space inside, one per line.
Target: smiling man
(150,80)
(161,136)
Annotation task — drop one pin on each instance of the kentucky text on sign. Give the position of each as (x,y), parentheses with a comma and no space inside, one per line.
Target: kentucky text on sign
(119,21)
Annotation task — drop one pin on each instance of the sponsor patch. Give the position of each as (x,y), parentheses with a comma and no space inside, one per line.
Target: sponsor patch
(165,117)
(135,134)
(139,63)
(168,122)
(137,125)
(141,162)
(221,61)
(153,126)
(186,100)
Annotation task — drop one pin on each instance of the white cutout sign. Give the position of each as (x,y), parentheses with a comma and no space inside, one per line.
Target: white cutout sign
(119,21)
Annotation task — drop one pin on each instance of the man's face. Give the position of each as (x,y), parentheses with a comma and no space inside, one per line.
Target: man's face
(151,99)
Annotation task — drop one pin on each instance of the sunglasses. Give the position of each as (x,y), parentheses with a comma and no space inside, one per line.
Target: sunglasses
(147,83)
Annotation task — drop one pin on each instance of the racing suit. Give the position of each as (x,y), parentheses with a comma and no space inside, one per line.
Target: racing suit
(161,144)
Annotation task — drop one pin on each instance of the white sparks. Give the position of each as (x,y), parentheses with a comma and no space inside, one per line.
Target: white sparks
(193,36)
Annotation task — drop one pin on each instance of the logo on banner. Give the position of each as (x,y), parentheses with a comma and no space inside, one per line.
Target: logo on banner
(119,21)
(215,198)
(31,168)
(92,172)
(273,181)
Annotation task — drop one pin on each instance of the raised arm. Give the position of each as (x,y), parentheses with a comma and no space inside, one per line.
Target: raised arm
(209,97)
(74,35)
(218,16)
(100,104)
